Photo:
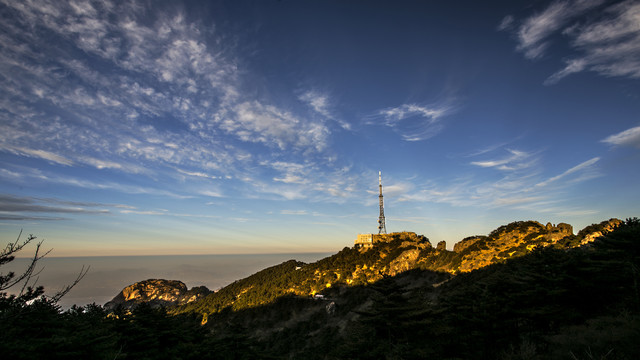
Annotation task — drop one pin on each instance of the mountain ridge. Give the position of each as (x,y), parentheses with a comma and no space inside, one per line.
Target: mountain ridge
(352,266)
(565,301)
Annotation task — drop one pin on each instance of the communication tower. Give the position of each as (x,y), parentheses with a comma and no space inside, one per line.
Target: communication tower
(382,228)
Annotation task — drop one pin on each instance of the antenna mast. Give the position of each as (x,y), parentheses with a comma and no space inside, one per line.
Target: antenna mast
(382,228)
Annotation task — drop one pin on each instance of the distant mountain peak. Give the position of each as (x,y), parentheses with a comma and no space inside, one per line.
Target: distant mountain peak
(156,292)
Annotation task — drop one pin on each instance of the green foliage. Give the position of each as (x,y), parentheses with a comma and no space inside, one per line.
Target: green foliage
(521,226)
(568,242)
(257,289)
(473,237)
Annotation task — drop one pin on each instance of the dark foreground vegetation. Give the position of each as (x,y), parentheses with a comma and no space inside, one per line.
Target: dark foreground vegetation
(553,303)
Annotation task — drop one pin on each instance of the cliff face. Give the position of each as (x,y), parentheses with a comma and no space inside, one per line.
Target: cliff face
(157,292)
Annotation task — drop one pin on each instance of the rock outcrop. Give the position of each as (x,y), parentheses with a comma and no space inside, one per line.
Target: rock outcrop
(515,239)
(519,238)
(405,261)
(157,293)
(466,242)
(590,233)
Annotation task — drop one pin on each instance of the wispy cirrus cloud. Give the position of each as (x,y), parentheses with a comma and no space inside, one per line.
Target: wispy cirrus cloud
(513,181)
(294,180)
(22,174)
(281,191)
(197,174)
(109,164)
(211,193)
(13,217)
(604,36)
(415,122)
(36,153)
(294,212)
(255,122)
(516,160)
(629,137)
(22,208)
(534,32)
(143,212)
(104,104)
(395,189)
(291,173)
(321,103)
(586,168)
(167,213)
(136,88)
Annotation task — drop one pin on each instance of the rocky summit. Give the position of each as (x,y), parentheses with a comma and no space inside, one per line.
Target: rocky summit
(157,293)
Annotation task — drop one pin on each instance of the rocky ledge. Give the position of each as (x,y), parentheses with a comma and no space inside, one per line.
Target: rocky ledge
(157,293)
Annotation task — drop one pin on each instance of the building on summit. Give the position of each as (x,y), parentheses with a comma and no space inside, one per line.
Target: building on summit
(365,240)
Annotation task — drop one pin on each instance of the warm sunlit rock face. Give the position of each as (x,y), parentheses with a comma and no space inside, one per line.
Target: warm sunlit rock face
(595,231)
(519,238)
(157,292)
(167,290)
(506,241)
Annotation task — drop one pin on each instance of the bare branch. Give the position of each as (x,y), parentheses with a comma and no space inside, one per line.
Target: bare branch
(30,276)
(9,280)
(68,288)
(29,273)
(6,255)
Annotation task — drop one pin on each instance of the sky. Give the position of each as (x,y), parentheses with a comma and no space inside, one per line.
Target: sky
(224,127)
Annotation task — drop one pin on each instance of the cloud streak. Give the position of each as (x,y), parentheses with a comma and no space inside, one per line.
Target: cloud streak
(604,37)
(40,154)
(415,122)
(21,208)
(515,161)
(580,167)
(629,137)
(509,182)
(294,212)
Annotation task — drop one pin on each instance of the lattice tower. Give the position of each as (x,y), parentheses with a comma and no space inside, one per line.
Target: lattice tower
(382,228)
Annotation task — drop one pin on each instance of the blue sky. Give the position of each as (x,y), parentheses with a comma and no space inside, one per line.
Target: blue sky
(171,127)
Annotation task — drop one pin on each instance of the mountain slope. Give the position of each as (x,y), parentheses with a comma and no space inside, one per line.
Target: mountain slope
(553,302)
(399,253)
